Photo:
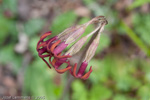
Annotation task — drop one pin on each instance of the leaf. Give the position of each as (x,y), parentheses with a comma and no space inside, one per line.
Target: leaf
(79,91)
(118,70)
(99,71)
(33,26)
(126,83)
(87,2)
(144,92)
(39,81)
(33,44)
(144,66)
(4,28)
(142,27)
(120,97)
(62,22)
(100,92)
(138,3)
(7,56)
(11,5)
(136,39)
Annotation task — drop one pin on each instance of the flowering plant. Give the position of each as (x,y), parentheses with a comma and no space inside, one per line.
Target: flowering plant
(53,48)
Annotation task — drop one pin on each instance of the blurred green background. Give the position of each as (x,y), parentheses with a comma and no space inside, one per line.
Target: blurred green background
(121,66)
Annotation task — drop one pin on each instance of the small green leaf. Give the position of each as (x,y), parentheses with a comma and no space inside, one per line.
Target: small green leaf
(10,5)
(39,81)
(7,56)
(138,3)
(136,39)
(79,91)
(33,26)
(144,92)
(33,44)
(100,92)
(62,22)
(87,2)
(99,71)
(141,27)
(120,97)
(5,27)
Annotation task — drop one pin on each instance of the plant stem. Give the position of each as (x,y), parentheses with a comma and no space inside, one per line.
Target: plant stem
(67,87)
(136,39)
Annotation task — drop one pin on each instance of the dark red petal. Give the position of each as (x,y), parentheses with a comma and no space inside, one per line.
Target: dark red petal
(54,45)
(74,70)
(86,76)
(63,70)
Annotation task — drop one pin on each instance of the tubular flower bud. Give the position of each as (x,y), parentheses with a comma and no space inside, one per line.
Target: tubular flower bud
(77,46)
(89,54)
(54,47)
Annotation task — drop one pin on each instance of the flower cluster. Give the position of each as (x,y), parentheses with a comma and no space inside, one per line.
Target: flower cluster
(54,48)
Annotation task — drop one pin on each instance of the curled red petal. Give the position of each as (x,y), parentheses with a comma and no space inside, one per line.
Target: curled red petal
(59,70)
(45,35)
(41,45)
(62,70)
(74,70)
(49,43)
(41,48)
(51,61)
(42,38)
(86,76)
(54,45)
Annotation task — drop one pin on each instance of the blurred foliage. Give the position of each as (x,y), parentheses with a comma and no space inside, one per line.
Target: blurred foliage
(141,27)
(114,77)
(10,5)
(7,28)
(136,39)
(138,3)
(61,22)
(39,81)
(7,56)
(33,26)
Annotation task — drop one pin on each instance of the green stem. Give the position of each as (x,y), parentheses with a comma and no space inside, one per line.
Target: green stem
(136,39)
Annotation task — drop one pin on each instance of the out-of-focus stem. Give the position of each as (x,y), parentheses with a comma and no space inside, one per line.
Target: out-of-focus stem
(136,39)
(67,87)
